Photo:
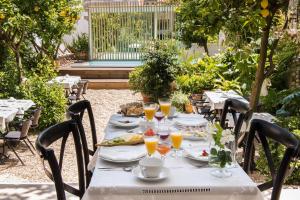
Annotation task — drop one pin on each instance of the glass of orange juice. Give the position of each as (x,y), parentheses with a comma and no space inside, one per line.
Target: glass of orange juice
(165,106)
(151,144)
(149,110)
(163,148)
(176,139)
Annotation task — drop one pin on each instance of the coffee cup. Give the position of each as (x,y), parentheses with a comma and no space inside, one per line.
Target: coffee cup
(151,167)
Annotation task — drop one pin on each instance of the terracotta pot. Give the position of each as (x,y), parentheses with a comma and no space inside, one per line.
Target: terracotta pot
(146,98)
(188,108)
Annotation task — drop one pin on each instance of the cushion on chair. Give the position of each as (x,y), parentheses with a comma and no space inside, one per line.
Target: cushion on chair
(13,135)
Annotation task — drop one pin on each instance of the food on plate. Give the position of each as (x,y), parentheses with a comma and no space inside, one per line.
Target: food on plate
(132,109)
(128,139)
(199,134)
(204,153)
(149,132)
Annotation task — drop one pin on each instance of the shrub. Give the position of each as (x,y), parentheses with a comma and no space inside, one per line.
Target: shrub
(179,100)
(81,43)
(161,67)
(50,97)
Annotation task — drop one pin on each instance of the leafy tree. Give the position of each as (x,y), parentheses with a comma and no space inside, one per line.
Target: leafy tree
(244,21)
(45,21)
(197,21)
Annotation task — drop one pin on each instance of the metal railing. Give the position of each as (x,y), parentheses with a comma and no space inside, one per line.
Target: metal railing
(118,30)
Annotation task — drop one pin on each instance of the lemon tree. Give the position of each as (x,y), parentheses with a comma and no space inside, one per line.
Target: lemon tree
(246,21)
(23,23)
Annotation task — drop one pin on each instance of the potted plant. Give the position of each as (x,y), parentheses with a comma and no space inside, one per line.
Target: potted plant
(155,78)
(181,102)
(80,47)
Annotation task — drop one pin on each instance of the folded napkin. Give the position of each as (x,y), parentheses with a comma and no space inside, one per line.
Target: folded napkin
(122,153)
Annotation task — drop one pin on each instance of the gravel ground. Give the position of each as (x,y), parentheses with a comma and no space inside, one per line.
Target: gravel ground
(104,103)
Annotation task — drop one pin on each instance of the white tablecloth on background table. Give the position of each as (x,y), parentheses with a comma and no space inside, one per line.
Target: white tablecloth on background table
(67,81)
(217,99)
(23,104)
(9,109)
(185,181)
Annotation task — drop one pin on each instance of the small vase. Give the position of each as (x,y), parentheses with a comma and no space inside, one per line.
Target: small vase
(188,108)
(220,168)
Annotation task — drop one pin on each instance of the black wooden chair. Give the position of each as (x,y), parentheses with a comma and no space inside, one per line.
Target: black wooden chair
(76,112)
(18,136)
(79,108)
(202,107)
(50,136)
(266,130)
(235,106)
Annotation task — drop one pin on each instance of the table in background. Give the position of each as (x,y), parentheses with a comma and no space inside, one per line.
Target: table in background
(9,108)
(67,81)
(217,99)
(185,181)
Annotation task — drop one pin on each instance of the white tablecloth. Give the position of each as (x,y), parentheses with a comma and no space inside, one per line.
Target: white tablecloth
(9,109)
(185,181)
(16,104)
(67,81)
(217,99)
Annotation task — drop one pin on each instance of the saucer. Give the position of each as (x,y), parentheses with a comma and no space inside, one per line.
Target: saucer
(165,172)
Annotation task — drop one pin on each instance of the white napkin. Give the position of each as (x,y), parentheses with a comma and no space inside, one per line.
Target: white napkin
(196,152)
(123,153)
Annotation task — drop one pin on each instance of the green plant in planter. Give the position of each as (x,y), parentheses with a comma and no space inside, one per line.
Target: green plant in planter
(179,99)
(161,67)
(226,85)
(80,46)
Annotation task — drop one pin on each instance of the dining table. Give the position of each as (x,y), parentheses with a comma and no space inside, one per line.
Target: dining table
(9,108)
(66,81)
(216,99)
(187,179)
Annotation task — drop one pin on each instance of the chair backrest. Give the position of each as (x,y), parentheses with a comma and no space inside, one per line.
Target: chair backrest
(267,130)
(79,91)
(85,86)
(48,137)
(76,112)
(36,116)
(80,107)
(235,106)
(25,128)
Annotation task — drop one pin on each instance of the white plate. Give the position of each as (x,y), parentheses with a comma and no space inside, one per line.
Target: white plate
(118,121)
(121,161)
(194,153)
(165,172)
(190,120)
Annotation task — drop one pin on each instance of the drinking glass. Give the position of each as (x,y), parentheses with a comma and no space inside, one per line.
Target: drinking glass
(151,145)
(159,116)
(149,110)
(176,139)
(165,106)
(163,148)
